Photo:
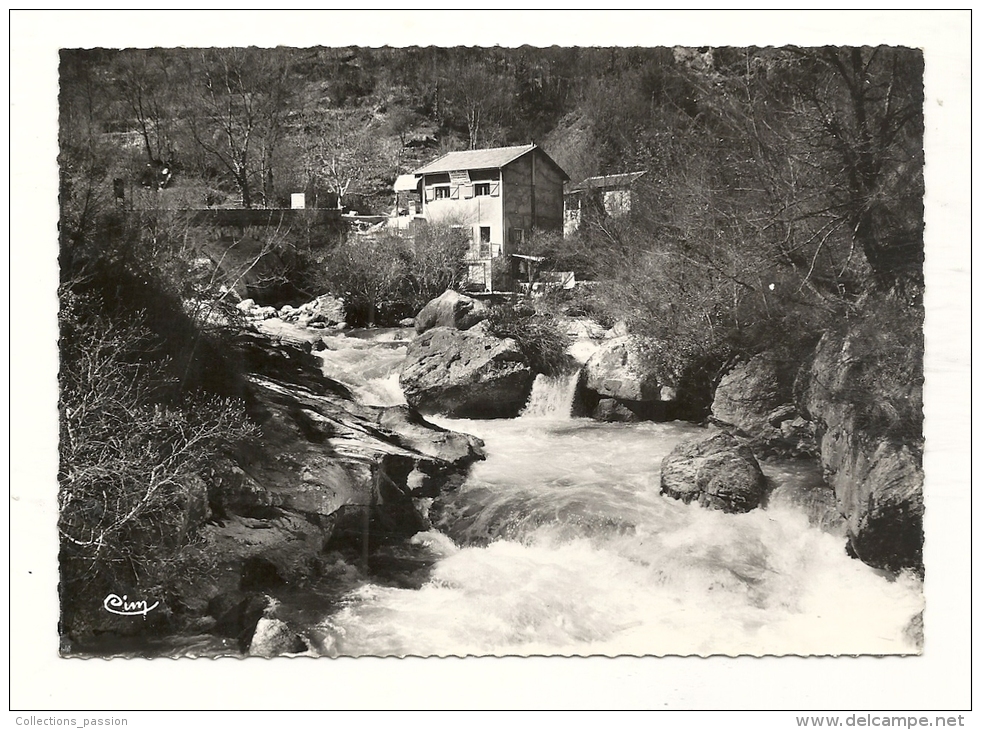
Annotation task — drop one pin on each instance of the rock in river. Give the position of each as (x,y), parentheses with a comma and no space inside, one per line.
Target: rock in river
(716,471)
(466,374)
(450,309)
(624,369)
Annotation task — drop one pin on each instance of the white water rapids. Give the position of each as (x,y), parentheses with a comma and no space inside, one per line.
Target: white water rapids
(560,544)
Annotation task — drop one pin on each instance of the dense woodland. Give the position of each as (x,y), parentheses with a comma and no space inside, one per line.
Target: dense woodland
(783,199)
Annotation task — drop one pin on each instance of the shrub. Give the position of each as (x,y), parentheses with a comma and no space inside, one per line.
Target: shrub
(399,275)
(436,257)
(132,446)
(542,342)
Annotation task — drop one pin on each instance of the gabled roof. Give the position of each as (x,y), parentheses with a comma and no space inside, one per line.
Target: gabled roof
(487,159)
(606,181)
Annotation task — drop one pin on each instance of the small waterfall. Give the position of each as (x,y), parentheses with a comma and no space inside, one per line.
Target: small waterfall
(552,396)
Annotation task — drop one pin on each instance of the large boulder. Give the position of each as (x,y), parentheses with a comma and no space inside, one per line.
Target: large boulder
(877,479)
(624,368)
(451,309)
(716,471)
(756,399)
(325,310)
(751,391)
(466,374)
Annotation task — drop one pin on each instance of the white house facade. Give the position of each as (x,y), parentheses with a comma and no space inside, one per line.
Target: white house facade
(499,195)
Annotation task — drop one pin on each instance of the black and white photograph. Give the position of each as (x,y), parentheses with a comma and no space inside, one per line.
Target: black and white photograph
(442,349)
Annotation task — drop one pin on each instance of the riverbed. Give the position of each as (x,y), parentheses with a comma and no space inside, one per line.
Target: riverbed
(559,543)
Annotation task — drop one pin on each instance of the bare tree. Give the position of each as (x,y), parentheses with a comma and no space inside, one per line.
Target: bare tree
(481,96)
(237,107)
(345,149)
(145,84)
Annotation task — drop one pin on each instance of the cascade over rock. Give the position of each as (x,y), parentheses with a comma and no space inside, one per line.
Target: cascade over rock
(466,374)
(716,471)
(878,482)
(450,309)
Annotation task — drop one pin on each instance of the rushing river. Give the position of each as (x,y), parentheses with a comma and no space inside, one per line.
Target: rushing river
(560,544)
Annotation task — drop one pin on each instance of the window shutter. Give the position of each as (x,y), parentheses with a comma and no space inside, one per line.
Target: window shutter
(496,189)
(429,194)
(468,191)
(455,192)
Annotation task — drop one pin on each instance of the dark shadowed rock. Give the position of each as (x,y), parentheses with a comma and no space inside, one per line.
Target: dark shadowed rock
(236,615)
(613,411)
(716,471)
(756,399)
(466,374)
(450,309)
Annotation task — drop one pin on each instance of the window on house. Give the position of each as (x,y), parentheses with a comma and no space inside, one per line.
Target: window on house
(481,189)
(442,192)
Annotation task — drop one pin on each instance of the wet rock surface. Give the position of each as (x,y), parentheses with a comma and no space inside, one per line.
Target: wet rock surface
(716,472)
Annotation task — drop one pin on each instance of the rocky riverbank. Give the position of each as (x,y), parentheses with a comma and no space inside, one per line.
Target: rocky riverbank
(771,406)
(327,484)
(332,488)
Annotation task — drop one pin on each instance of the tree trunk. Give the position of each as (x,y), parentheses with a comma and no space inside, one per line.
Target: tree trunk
(268,188)
(243,183)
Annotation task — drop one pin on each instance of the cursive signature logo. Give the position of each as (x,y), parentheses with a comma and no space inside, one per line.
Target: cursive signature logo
(125,607)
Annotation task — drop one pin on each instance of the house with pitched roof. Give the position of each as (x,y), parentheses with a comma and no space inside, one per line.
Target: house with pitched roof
(500,195)
(599,197)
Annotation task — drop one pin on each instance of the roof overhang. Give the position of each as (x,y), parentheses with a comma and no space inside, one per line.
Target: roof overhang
(406,183)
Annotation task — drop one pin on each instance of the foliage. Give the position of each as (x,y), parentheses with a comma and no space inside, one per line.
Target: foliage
(538,336)
(147,392)
(132,445)
(366,271)
(400,272)
(437,260)
(782,184)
